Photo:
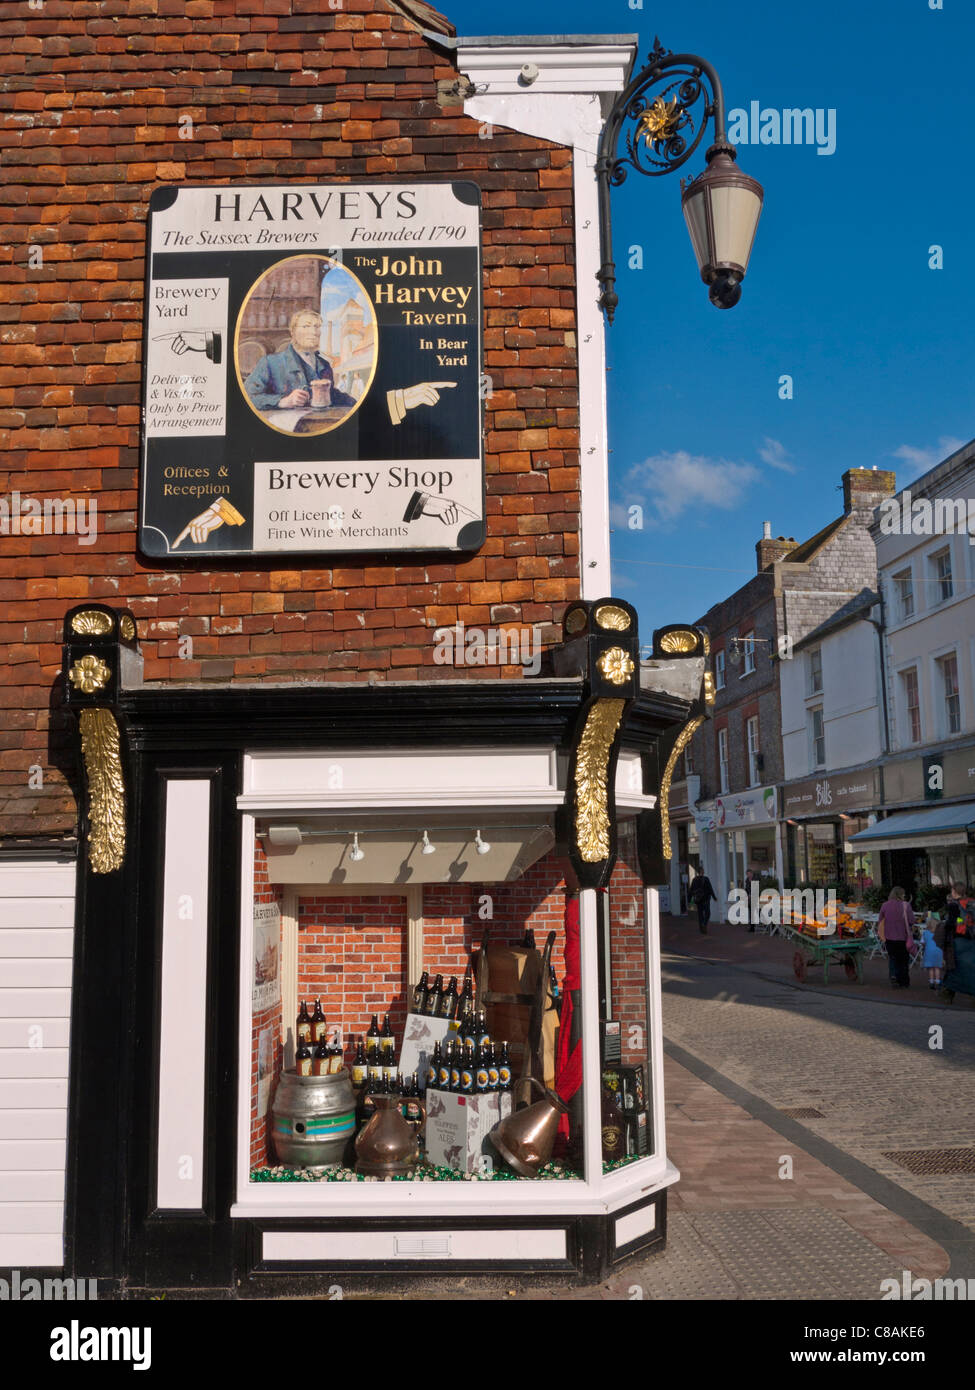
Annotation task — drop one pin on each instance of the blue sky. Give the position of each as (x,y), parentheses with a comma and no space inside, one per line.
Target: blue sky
(839,293)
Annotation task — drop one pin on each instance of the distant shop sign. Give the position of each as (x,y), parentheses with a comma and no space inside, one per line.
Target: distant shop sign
(754,807)
(312,369)
(823,797)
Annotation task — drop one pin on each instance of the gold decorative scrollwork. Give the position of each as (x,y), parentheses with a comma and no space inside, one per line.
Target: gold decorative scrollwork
(682,640)
(683,739)
(89,674)
(616,619)
(106,789)
(591,800)
(660,121)
(91,623)
(709,688)
(616,665)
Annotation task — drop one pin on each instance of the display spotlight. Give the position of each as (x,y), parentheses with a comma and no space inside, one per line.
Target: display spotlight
(427,847)
(481,846)
(355,853)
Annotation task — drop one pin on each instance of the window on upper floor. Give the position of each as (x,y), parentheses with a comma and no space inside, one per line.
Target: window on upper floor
(751,739)
(948,669)
(814,672)
(941,574)
(748,653)
(904,594)
(719,670)
(723,760)
(817,737)
(912,705)
(688,762)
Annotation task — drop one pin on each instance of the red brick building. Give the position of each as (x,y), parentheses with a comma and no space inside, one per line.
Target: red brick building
(163,714)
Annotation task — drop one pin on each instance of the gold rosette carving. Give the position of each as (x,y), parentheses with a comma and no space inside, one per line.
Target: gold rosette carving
(616,665)
(106,789)
(591,800)
(89,674)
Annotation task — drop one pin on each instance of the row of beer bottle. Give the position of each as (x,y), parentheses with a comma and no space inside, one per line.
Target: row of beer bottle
(437,1002)
(467,1069)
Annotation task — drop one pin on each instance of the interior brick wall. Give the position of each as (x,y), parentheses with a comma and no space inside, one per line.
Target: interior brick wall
(277,90)
(266,1018)
(628,960)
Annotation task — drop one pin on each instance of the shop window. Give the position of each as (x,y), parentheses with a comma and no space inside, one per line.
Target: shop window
(912,705)
(948,669)
(941,573)
(817,735)
(904,594)
(723,760)
(754,756)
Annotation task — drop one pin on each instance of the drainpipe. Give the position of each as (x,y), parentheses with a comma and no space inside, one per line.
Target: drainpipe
(879,626)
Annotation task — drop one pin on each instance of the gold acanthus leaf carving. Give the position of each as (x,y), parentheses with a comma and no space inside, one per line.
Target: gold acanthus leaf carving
(91,623)
(106,789)
(591,801)
(683,739)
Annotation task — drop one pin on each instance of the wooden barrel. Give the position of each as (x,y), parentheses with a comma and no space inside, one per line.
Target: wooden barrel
(312,1119)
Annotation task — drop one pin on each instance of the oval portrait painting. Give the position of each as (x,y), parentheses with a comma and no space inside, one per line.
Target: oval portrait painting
(305,346)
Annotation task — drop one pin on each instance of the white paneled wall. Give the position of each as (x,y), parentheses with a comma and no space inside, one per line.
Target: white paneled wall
(36,934)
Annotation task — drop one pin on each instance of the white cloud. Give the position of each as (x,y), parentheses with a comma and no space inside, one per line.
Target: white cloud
(668,485)
(918,461)
(776,455)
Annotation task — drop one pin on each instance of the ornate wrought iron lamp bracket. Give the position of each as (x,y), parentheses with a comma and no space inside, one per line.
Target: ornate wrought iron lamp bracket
(667,130)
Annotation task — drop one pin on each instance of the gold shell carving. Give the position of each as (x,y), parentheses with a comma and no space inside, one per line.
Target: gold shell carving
(613,618)
(89,674)
(616,665)
(91,623)
(576,621)
(680,640)
(127,627)
(683,739)
(106,790)
(592,757)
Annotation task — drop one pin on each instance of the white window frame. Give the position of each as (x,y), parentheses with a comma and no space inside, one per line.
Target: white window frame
(908,732)
(719,669)
(944,721)
(897,580)
(747,640)
(754,749)
(723,761)
(937,580)
(815,763)
(811,687)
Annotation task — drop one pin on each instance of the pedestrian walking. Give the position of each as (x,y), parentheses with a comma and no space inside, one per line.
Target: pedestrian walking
(701,895)
(750,877)
(934,958)
(894,925)
(956,937)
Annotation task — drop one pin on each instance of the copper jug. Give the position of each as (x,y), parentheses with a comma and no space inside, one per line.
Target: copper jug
(387,1145)
(525,1139)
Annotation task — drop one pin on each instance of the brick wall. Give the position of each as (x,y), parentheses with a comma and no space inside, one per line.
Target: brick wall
(628,961)
(277,90)
(266,1018)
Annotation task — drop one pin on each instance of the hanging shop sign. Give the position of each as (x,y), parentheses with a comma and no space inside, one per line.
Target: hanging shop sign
(827,796)
(755,807)
(312,370)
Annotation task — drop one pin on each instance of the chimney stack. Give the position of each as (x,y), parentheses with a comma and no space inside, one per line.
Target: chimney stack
(770,549)
(865,488)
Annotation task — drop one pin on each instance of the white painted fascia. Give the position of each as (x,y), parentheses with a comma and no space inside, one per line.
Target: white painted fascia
(565,105)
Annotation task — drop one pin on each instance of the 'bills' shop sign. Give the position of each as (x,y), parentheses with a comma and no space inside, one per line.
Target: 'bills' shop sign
(312,368)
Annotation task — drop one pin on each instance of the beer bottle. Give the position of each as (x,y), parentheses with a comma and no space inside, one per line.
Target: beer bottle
(303,1058)
(389,1065)
(334,1059)
(482,1037)
(368,1106)
(468,1029)
(413,1112)
(494,1077)
(467,1073)
(434,996)
(443,1068)
(303,1026)
(359,1065)
(386,1040)
(504,1069)
(420,994)
(318,1023)
(375,1064)
(433,1068)
(466,1003)
(482,1081)
(455,1062)
(372,1037)
(448,1000)
(320,1059)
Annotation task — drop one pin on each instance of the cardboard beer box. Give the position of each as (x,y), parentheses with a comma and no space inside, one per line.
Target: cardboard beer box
(458,1127)
(420,1033)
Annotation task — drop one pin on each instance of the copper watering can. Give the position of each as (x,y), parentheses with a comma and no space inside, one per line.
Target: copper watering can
(525,1138)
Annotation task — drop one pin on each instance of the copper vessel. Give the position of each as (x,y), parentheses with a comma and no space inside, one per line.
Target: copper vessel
(525,1139)
(387,1145)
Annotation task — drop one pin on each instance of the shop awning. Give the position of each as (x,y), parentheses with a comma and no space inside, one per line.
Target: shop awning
(936,827)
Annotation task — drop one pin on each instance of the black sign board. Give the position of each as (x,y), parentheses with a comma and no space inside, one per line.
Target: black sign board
(312,370)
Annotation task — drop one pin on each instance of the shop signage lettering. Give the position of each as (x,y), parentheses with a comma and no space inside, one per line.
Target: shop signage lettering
(299,394)
(831,794)
(756,807)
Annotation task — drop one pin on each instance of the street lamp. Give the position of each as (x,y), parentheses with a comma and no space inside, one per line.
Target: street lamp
(721,206)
